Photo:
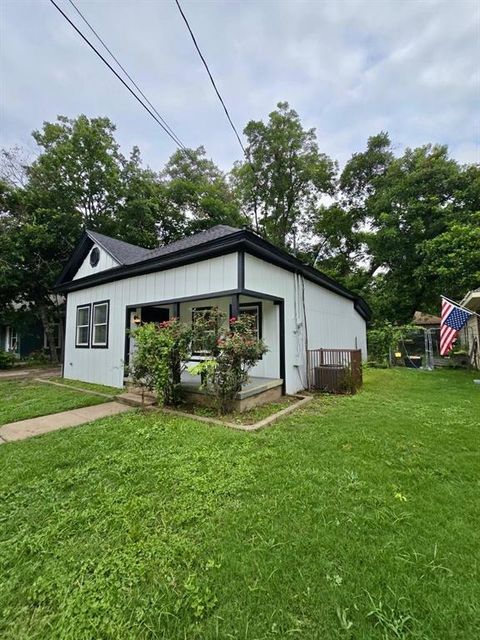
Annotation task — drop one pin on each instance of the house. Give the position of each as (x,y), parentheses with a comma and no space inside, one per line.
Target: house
(425,320)
(111,286)
(470,334)
(22,333)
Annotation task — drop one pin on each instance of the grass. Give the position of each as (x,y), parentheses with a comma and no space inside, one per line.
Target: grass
(22,399)
(355,517)
(246,417)
(88,386)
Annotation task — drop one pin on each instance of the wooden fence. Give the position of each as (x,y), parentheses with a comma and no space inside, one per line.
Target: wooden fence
(334,370)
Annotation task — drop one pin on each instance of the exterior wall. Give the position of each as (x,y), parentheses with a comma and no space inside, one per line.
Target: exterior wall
(105,262)
(469,334)
(106,366)
(330,320)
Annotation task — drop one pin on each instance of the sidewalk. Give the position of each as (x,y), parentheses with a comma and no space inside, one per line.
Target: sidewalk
(36,426)
(19,373)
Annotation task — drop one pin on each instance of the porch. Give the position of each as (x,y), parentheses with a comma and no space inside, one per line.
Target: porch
(266,382)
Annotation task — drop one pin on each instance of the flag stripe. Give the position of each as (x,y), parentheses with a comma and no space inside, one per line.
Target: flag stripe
(453,319)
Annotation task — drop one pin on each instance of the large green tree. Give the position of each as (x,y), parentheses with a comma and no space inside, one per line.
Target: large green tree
(398,224)
(283,178)
(197,192)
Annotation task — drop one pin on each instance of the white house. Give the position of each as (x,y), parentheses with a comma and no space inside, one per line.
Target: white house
(109,284)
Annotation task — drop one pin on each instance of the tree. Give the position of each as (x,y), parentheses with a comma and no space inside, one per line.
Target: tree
(393,220)
(196,193)
(284,177)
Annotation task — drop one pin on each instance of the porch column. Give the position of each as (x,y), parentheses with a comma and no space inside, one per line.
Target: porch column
(235,305)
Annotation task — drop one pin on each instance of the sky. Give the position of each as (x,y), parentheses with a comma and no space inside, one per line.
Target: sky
(349,68)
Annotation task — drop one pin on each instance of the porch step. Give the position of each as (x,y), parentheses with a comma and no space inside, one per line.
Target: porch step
(135,400)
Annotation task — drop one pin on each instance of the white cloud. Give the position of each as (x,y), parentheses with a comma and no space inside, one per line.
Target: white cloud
(350,68)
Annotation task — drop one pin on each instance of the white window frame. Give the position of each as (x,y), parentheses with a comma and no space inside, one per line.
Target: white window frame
(94,344)
(83,345)
(11,331)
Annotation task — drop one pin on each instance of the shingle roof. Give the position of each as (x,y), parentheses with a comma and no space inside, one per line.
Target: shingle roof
(126,253)
(123,252)
(219,231)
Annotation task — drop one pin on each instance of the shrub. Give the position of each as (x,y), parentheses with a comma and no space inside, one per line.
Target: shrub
(235,351)
(162,353)
(38,357)
(7,359)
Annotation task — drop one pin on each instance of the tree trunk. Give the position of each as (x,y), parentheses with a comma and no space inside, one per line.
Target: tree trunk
(48,328)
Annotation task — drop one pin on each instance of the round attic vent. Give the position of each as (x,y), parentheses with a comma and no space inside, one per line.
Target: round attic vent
(94,256)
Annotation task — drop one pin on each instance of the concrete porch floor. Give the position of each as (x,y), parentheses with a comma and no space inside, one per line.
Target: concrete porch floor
(255,386)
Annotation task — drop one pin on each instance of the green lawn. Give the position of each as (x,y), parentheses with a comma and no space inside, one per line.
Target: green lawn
(356,517)
(22,399)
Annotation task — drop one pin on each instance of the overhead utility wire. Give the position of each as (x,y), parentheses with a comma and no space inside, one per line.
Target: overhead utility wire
(210,76)
(125,72)
(114,72)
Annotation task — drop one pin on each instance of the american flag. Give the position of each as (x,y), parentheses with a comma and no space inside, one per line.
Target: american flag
(453,319)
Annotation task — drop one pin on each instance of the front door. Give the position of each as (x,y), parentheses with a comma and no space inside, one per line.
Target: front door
(155,314)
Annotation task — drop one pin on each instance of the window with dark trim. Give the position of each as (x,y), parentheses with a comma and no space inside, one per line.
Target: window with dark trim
(200,343)
(252,309)
(82,328)
(100,313)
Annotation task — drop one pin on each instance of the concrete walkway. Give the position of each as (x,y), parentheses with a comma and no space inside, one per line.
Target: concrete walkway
(17,373)
(36,426)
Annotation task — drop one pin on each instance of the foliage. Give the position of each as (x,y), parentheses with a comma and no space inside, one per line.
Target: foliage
(38,357)
(169,528)
(162,353)
(235,351)
(385,338)
(7,359)
(283,177)
(196,193)
(403,230)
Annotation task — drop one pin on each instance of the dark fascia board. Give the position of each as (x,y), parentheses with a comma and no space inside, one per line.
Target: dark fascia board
(243,240)
(75,260)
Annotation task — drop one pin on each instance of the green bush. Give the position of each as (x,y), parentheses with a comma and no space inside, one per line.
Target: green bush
(162,353)
(38,357)
(7,359)
(235,350)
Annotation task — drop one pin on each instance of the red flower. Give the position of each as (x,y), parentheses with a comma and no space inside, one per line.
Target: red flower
(232,320)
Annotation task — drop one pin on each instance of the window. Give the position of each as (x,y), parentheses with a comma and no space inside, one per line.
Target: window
(202,344)
(11,341)
(100,324)
(94,257)
(252,309)
(83,326)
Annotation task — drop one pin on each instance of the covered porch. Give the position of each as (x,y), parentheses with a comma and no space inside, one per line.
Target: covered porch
(266,383)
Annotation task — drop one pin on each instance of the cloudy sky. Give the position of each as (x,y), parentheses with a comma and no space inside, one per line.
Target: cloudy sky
(350,68)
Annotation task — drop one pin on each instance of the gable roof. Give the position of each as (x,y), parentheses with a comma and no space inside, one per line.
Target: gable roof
(122,252)
(218,240)
(421,318)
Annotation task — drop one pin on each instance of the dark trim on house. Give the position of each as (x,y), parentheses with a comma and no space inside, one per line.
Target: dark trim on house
(176,310)
(258,294)
(281,318)
(83,306)
(241,241)
(203,296)
(96,304)
(126,353)
(234,306)
(64,338)
(241,270)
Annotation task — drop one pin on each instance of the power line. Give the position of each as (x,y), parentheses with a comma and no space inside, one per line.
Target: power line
(180,143)
(114,72)
(210,76)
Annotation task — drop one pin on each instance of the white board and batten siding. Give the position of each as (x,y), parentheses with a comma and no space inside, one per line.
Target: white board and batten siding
(332,322)
(105,262)
(106,366)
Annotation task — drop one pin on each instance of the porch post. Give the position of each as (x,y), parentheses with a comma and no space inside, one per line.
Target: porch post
(235,305)
(176,310)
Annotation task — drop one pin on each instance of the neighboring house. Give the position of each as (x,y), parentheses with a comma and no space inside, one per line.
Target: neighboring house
(470,334)
(426,320)
(111,285)
(23,334)
(20,338)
